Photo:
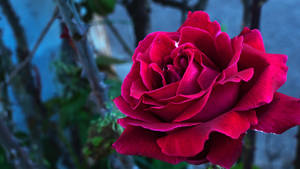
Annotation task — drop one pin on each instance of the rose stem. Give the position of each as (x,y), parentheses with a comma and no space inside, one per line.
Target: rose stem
(297,158)
(251,18)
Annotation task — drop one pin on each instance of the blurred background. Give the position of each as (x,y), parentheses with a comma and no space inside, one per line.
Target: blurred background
(48,115)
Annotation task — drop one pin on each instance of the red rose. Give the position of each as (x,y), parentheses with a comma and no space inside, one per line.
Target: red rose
(192,94)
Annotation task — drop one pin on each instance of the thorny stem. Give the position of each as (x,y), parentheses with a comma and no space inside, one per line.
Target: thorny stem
(252,14)
(199,5)
(77,28)
(18,157)
(13,20)
(8,141)
(24,88)
(139,12)
(33,51)
(297,158)
(118,36)
(84,52)
(249,149)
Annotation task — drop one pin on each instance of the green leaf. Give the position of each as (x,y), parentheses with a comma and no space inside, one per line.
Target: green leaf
(96,141)
(4,163)
(102,7)
(241,166)
(114,87)
(103,60)
(160,164)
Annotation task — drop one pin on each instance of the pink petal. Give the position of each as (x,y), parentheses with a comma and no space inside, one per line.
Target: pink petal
(155,68)
(224,50)
(270,72)
(125,108)
(244,75)
(188,84)
(161,46)
(173,35)
(151,76)
(224,151)
(137,89)
(232,66)
(253,38)
(154,126)
(139,141)
(193,109)
(222,99)
(280,115)
(164,92)
(144,45)
(185,143)
(200,38)
(191,141)
(200,19)
(127,83)
(170,111)
(207,77)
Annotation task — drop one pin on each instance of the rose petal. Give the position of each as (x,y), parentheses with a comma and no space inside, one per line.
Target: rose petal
(188,84)
(154,126)
(144,45)
(270,72)
(189,142)
(161,46)
(151,76)
(139,141)
(194,108)
(224,50)
(170,111)
(232,67)
(125,108)
(280,115)
(224,151)
(253,38)
(164,92)
(126,85)
(137,89)
(207,77)
(200,19)
(200,38)
(158,70)
(244,75)
(222,99)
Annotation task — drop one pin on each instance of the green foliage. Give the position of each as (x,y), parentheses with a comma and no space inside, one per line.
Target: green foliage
(147,163)
(4,163)
(159,164)
(75,109)
(223,28)
(240,166)
(102,7)
(114,87)
(103,60)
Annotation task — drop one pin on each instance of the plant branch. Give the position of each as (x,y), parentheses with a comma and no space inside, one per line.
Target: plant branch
(297,158)
(19,158)
(118,36)
(13,20)
(249,149)
(139,12)
(199,5)
(35,47)
(251,18)
(95,78)
(174,4)
(8,141)
(84,52)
